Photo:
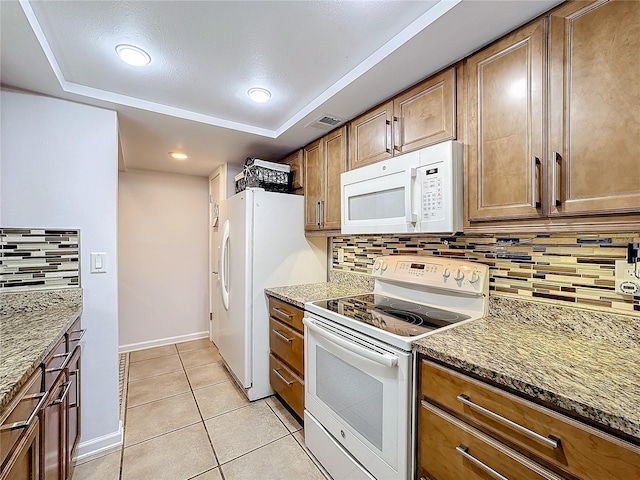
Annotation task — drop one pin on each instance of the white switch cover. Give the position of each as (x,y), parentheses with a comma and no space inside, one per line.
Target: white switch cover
(626,280)
(99,262)
(340,255)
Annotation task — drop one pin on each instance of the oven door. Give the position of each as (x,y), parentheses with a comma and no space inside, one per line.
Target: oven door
(358,389)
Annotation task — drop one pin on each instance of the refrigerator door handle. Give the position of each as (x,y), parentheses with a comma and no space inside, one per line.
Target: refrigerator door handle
(224,264)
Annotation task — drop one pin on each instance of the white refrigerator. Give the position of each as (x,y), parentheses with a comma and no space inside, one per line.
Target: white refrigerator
(262,245)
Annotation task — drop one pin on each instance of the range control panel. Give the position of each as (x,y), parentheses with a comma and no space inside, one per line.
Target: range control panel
(438,272)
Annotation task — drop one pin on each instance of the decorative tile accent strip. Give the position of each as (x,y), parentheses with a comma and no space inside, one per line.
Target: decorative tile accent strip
(571,269)
(38,259)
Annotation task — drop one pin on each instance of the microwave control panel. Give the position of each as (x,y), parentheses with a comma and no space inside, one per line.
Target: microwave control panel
(433,197)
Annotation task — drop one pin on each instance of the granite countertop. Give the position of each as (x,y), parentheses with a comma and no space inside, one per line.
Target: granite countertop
(580,361)
(298,295)
(31,323)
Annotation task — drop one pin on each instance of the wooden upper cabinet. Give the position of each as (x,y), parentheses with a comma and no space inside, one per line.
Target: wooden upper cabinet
(295,161)
(324,161)
(505,99)
(370,137)
(425,114)
(417,118)
(336,154)
(594,107)
(314,180)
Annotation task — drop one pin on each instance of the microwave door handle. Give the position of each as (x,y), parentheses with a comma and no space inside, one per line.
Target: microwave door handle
(385,359)
(408,198)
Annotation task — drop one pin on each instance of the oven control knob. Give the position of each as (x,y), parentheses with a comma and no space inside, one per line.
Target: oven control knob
(376,265)
(383,267)
(459,277)
(474,277)
(446,275)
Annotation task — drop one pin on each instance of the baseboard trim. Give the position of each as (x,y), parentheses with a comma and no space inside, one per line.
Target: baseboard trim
(97,447)
(131,347)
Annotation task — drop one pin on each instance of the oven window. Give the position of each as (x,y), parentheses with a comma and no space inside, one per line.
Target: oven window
(377,205)
(354,395)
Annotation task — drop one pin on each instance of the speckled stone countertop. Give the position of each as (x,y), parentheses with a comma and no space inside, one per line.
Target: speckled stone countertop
(30,325)
(583,362)
(298,295)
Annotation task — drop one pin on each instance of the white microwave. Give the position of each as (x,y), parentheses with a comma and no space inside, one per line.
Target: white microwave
(418,192)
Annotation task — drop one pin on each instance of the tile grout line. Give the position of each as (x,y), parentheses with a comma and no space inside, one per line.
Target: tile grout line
(215,455)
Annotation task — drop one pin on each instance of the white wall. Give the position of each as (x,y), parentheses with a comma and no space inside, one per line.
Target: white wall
(163,258)
(59,170)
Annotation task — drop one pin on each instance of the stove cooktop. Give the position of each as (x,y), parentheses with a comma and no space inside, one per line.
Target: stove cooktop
(399,317)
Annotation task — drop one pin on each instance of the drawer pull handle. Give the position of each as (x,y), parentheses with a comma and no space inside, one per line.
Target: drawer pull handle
(64,394)
(277,372)
(464,451)
(283,313)
(64,364)
(26,423)
(550,442)
(76,373)
(82,331)
(286,339)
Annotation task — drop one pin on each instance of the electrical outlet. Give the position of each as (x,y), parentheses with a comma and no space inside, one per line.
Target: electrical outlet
(340,255)
(627,278)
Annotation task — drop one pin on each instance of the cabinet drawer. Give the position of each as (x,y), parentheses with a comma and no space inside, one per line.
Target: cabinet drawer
(20,414)
(74,335)
(54,363)
(287,344)
(286,313)
(451,450)
(287,384)
(580,448)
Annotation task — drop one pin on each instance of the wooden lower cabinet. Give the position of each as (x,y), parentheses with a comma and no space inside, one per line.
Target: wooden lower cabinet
(454,450)
(24,463)
(40,427)
(73,423)
(287,384)
(286,356)
(459,411)
(53,443)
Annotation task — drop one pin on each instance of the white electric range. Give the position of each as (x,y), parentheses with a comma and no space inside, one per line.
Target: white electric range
(360,369)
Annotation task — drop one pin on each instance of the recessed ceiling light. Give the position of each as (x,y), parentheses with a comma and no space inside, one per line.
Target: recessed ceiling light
(178,155)
(133,55)
(259,95)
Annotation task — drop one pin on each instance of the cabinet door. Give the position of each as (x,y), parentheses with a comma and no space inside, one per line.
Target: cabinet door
(53,445)
(295,161)
(506,92)
(370,137)
(425,114)
(335,153)
(313,184)
(595,107)
(73,410)
(24,463)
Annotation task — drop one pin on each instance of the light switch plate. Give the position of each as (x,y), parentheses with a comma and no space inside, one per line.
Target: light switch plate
(99,262)
(626,280)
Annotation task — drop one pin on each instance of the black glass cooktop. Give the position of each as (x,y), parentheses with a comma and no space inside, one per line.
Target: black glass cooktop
(396,316)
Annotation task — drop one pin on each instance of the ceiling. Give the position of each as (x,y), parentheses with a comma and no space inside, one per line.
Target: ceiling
(336,58)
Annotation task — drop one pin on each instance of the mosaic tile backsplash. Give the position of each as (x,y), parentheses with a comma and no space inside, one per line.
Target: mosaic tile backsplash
(570,269)
(38,259)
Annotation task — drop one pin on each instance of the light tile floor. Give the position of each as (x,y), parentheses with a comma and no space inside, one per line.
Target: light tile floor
(185,419)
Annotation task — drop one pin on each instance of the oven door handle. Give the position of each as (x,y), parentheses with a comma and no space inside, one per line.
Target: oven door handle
(385,359)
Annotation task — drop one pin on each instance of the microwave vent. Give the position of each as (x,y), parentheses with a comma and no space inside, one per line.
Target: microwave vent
(326,122)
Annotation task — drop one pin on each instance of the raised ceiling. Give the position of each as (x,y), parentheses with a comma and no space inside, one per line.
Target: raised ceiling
(316,57)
